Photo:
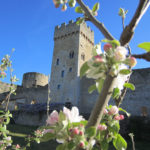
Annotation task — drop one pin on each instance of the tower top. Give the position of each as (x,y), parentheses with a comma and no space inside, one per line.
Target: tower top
(65,30)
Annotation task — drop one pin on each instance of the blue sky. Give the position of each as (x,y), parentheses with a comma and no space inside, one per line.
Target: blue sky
(28,26)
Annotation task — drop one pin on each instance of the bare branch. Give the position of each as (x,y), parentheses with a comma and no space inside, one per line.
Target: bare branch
(98,24)
(145,56)
(128,32)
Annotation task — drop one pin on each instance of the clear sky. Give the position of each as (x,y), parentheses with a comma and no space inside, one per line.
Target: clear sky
(28,26)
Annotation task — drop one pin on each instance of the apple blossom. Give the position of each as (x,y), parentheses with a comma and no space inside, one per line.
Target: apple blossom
(81,144)
(73,114)
(121,117)
(17,146)
(120,53)
(53,118)
(113,110)
(98,59)
(64,7)
(132,61)
(102,127)
(105,111)
(107,47)
(117,117)
(75,131)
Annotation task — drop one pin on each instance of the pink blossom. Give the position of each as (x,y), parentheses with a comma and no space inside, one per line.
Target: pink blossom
(64,7)
(3,73)
(48,131)
(117,117)
(53,118)
(98,59)
(73,114)
(132,61)
(113,110)
(102,127)
(81,144)
(105,111)
(107,47)
(121,117)
(120,53)
(17,146)
(75,131)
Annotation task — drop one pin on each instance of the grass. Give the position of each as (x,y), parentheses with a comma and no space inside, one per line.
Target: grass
(51,145)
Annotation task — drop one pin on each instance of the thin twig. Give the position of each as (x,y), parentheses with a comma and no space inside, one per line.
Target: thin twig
(132,140)
(98,24)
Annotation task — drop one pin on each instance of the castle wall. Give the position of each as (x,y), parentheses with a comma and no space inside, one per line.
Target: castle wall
(134,101)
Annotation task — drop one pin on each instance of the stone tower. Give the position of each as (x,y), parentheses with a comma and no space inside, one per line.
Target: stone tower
(72,47)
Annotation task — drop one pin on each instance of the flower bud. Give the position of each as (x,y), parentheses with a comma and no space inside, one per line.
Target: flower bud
(121,117)
(75,131)
(132,61)
(120,53)
(98,59)
(64,7)
(81,144)
(107,47)
(105,111)
(113,110)
(117,117)
(81,133)
(102,127)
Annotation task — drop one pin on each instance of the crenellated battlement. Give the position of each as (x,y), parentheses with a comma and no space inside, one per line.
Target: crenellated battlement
(71,29)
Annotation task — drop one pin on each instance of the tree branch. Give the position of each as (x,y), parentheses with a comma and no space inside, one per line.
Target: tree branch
(98,24)
(128,32)
(145,56)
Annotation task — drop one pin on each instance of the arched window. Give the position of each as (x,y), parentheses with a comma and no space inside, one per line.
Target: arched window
(83,56)
(58,86)
(70,69)
(71,55)
(62,73)
(57,61)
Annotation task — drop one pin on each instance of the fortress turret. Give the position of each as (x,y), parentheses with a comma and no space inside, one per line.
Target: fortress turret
(33,79)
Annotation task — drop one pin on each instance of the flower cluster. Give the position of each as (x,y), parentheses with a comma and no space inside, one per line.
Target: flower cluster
(68,128)
(113,61)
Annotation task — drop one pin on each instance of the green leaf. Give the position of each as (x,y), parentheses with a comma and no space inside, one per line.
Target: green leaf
(95,7)
(46,137)
(61,147)
(104,145)
(92,88)
(84,69)
(116,93)
(121,109)
(145,46)
(130,86)
(72,3)
(119,143)
(79,10)
(71,145)
(81,20)
(115,128)
(84,122)
(91,131)
(100,85)
(125,71)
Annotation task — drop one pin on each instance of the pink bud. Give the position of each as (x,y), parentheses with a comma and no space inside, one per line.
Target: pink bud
(81,133)
(102,127)
(98,59)
(132,61)
(113,110)
(75,131)
(117,117)
(107,47)
(121,117)
(64,7)
(105,111)
(81,144)
(17,146)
